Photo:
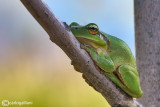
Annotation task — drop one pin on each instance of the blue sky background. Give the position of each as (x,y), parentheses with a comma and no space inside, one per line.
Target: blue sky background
(114,17)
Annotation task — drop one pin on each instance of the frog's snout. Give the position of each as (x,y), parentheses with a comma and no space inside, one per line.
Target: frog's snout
(74,27)
(74,24)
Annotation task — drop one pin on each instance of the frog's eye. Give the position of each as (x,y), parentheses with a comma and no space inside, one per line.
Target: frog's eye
(93,29)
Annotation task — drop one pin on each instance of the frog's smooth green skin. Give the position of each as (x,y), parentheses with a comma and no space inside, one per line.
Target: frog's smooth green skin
(112,55)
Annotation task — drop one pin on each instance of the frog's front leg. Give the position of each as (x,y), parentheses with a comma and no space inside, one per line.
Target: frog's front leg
(101,59)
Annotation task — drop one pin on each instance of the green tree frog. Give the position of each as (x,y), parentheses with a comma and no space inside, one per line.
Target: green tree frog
(110,54)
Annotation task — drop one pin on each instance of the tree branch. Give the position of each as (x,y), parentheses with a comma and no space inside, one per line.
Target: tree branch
(82,62)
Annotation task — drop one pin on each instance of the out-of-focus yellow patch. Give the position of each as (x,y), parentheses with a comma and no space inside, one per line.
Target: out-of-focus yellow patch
(47,89)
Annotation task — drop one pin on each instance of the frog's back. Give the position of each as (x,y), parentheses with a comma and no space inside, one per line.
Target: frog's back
(119,51)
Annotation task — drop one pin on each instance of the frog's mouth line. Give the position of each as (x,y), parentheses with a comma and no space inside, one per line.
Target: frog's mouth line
(88,41)
(85,40)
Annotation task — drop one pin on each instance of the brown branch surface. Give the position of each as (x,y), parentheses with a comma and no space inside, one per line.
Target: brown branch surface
(61,35)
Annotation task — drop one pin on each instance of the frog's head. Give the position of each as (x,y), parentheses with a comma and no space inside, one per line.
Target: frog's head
(88,34)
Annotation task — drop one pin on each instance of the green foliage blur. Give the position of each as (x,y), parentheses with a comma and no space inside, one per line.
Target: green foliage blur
(34,69)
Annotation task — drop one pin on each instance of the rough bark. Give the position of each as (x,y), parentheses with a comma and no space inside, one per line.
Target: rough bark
(61,35)
(147,27)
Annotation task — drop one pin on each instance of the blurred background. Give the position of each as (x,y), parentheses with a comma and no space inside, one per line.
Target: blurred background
(34,69)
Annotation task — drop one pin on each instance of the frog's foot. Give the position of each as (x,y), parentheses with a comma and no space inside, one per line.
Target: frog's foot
(87,47)
(116,80)
(82,46)
(130,79)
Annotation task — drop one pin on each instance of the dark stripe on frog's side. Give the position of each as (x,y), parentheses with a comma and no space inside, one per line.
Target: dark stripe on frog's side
(105,38)
(119,51)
